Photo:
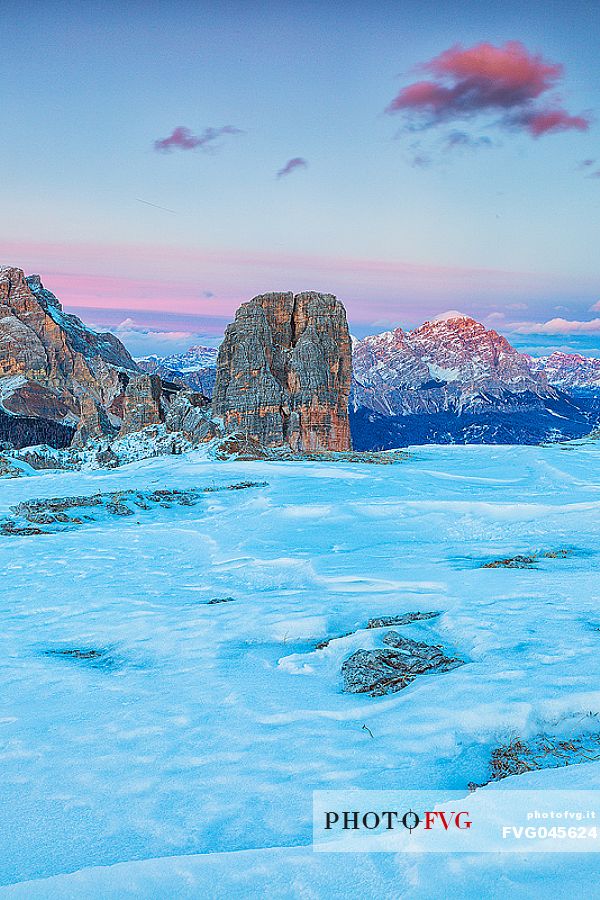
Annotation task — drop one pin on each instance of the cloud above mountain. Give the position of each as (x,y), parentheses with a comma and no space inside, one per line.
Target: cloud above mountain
(143,341)
(182,138)
(558,326)
(516,88)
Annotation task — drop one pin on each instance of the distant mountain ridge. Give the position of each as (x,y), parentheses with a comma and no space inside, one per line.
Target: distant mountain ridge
(449,380)
(196,368)
(451,363)
(569,371)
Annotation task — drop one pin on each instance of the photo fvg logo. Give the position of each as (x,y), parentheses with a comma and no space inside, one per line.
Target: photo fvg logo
(431,821)
(390,820)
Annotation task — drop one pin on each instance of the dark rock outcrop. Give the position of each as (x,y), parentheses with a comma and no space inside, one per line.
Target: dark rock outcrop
(403,619)
(107,458)
(284,372)
(49,514)
(8,469)
(379,672)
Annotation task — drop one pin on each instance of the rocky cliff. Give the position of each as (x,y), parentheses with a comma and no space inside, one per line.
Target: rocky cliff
(284,372)
(56,375)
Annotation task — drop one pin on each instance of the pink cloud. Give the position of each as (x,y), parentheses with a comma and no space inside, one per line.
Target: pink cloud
(181,138)
(510,71)
(558,326)
(548,121)
(291,165)
(485,79)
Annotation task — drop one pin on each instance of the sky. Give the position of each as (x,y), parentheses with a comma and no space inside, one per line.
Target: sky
(163,162)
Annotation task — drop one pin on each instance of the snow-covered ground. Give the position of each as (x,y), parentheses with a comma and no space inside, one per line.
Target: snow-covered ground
(182,762)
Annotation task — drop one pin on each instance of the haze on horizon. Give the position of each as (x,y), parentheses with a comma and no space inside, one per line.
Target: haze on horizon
(165,162)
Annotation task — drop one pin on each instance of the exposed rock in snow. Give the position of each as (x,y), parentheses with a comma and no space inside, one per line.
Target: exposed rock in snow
(98,658)
(8,469)
(49,514)
(543,751)
(526,562)
(379,672)
(404,619)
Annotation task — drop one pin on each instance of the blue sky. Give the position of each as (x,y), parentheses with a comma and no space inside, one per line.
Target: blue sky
(380,211)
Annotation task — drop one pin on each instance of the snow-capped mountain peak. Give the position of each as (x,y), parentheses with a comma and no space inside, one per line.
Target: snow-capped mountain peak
(443,377)
(453,348)
(449,316)
(194,358)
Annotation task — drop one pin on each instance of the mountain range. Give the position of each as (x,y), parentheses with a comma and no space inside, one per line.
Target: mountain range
(569,371)
(449,381)
(452,380)
(196,368)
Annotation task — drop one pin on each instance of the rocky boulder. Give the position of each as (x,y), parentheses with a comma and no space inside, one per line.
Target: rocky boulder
(190,413)
(8,469)
(379,672)
(284,372)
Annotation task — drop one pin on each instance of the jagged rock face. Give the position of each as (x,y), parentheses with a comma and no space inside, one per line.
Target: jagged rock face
(142,404)
(93,422)
(53,370)
(284,372)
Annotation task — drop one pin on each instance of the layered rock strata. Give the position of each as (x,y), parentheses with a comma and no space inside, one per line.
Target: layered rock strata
(284,372)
